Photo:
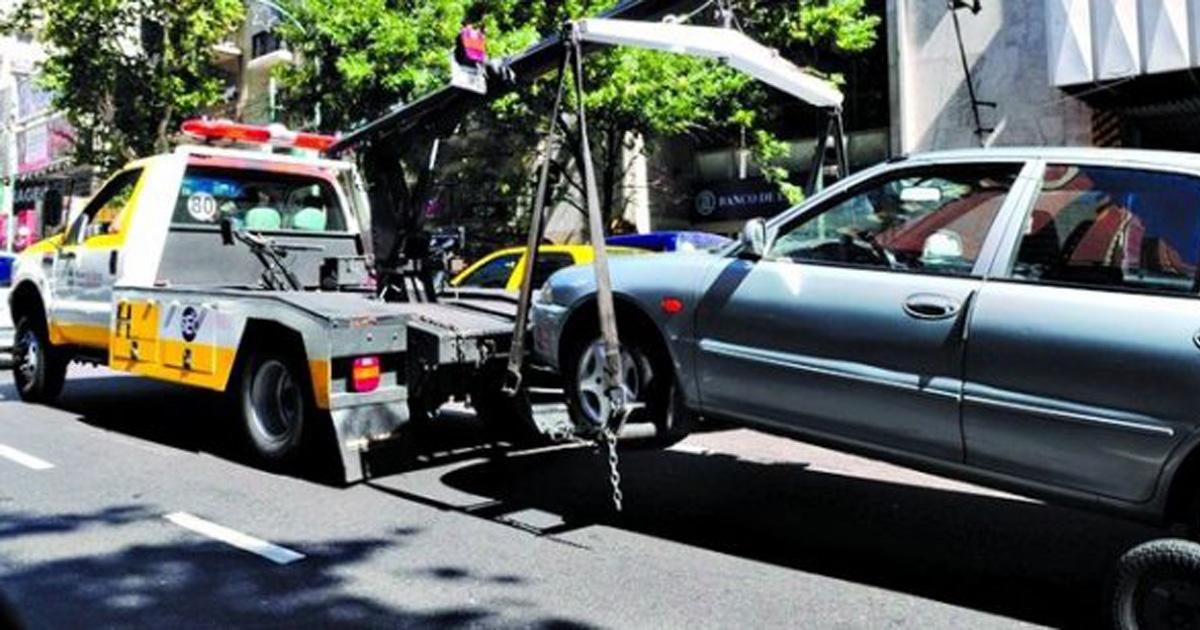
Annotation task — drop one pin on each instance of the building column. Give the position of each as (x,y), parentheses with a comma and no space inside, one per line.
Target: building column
(635,189)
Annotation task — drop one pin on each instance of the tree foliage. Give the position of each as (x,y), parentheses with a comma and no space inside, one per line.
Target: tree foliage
(127,72)
(362,57)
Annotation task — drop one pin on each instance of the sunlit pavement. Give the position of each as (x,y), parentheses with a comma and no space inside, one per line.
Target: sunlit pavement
(127,505)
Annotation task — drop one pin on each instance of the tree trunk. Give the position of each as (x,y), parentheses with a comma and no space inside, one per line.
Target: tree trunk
(612,167)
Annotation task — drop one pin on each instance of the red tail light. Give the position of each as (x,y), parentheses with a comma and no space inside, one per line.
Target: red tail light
(672,305)
(365,375)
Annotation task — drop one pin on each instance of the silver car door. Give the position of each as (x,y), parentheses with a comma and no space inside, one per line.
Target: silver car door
(852,324)
(1082,361)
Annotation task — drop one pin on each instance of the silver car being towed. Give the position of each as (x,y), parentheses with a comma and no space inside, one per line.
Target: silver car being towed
(1028,319)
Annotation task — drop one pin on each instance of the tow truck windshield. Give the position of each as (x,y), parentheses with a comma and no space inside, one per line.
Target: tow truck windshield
(258,201)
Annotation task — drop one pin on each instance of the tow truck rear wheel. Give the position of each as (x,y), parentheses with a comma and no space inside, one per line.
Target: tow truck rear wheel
(276,407)
(38,368)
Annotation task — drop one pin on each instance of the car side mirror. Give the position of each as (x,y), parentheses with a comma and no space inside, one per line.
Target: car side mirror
(755,239)
(81,235)
(95,229)
(227,231)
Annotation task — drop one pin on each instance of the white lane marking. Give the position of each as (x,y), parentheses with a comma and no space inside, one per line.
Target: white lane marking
(274,553)
(24,459)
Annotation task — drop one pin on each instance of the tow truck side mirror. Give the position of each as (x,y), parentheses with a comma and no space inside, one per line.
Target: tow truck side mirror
(227,232)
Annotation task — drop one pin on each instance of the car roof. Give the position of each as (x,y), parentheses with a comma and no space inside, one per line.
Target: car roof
(1067,154)
(563,249)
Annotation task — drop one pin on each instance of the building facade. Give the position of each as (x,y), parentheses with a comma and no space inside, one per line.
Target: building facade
(1044,73)
(38,179)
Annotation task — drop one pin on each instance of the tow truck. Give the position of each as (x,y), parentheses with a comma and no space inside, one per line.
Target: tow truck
(244,271)
(249,272)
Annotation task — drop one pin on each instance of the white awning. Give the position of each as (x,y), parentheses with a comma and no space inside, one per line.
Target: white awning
(730,46)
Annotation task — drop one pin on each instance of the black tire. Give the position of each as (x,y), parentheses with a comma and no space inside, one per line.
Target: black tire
(274,400)
(1157,585)
(39,369)
(652,377)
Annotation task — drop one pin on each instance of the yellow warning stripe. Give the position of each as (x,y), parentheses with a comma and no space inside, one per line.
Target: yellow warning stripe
(79,335)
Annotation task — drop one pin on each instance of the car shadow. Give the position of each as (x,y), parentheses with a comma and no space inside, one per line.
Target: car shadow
(1020,559)
(197,421)
(1023,560)
(202,584)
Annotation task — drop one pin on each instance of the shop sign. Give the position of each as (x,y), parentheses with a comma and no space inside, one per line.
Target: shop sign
(739,199)
(40,145)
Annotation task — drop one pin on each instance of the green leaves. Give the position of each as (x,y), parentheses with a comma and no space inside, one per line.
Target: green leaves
(127,72)
(841,24)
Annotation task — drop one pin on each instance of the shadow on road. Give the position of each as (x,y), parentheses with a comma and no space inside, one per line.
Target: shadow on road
(169,415)
(207,584)
(1022,560)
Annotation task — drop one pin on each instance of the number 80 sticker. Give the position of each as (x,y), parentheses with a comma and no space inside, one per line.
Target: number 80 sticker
(202,207)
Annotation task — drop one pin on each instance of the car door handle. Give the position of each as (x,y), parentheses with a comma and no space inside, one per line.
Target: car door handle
(68,255)
(931,306)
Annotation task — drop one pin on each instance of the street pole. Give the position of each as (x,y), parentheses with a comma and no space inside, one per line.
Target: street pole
(8,169)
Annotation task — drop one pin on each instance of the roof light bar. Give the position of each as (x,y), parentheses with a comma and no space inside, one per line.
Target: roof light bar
(273,135)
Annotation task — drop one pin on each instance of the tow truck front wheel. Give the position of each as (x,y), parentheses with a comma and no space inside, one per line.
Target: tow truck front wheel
(275,407)
(38,369)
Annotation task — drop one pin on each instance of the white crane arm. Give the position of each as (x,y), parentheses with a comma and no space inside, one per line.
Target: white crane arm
(732,47)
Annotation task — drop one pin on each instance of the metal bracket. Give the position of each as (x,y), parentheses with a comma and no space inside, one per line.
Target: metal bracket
(975,7)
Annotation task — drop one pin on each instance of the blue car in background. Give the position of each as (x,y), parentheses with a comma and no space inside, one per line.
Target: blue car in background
(681,241)
(6,324)
(6,269)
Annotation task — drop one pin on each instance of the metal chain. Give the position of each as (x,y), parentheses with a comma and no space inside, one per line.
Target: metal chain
(614,474)
(605,439)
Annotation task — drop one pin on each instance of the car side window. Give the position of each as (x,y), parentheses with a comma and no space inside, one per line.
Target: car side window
(1112,228)
(547,264)
(105,209)
(931,220)
(493,275)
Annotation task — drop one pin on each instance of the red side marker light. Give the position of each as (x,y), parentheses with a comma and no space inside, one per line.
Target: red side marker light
(671,305)
(365,375)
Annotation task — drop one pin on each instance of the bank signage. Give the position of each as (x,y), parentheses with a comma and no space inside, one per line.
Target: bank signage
(740,199)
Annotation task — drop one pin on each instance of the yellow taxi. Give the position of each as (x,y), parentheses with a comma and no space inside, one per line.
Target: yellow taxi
(504,269)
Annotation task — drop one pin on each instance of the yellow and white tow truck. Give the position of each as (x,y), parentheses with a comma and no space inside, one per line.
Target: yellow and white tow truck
(244,271)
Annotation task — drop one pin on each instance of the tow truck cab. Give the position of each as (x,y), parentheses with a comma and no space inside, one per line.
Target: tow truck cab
(156,223)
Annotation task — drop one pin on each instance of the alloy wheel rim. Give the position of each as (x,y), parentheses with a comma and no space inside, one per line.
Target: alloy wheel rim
(29,359)
(593,399)
(276,399)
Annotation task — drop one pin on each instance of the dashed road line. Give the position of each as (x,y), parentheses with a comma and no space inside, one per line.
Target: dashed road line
(245,542)
(24,459)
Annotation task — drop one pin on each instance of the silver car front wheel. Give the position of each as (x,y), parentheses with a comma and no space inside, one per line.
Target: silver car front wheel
(593,399)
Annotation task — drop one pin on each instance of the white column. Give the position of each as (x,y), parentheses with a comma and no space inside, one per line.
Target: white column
(636,186)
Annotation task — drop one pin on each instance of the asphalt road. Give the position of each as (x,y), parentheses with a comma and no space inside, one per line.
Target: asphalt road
(127,506)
